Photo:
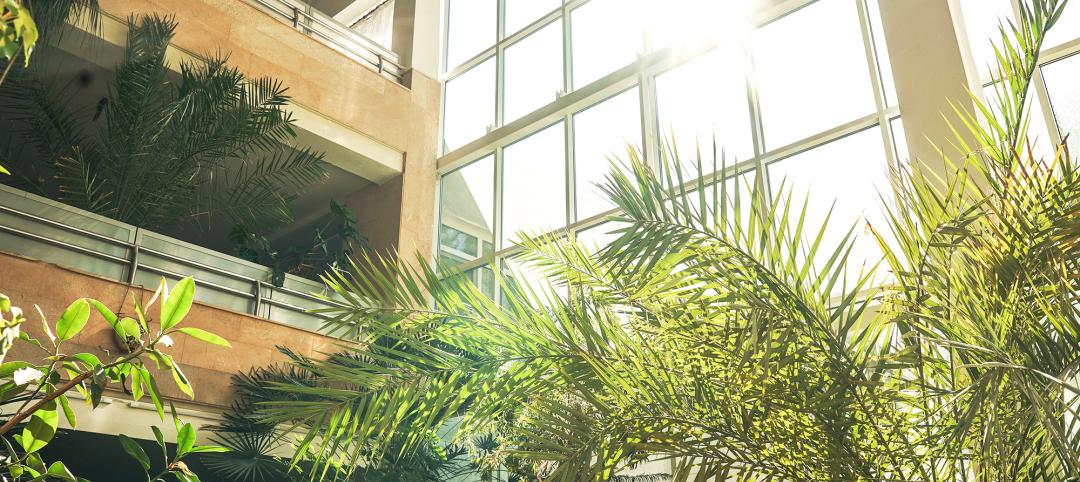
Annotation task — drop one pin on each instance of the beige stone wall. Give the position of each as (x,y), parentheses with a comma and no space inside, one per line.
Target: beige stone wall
(398,214)
(28,282)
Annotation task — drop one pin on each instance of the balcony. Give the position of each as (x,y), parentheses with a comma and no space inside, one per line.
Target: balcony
(325,29)
(41,229)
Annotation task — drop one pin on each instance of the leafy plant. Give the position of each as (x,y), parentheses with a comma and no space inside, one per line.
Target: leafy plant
(18,33)
(156,150)
(21,25)
(38,392)
(723,334)
(174,466)
(253,445)
(332,244)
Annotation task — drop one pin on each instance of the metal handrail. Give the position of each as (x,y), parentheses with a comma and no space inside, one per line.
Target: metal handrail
(347,40)
(134,249)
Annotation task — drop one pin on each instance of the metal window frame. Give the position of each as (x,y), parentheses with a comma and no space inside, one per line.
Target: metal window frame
(642,74)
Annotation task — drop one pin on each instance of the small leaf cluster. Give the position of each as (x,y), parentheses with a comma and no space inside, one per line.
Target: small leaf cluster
(17,30)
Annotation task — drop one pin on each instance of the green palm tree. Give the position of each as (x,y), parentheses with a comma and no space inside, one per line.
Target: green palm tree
(722,334)
(160,149)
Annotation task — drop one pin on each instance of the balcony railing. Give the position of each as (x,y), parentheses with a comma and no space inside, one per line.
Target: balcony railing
(325,29)
(42,229)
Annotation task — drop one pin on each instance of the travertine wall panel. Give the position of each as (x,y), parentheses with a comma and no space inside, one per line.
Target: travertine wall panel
(29,282)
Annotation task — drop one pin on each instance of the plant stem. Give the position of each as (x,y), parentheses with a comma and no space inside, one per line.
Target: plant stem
(8,68)
(21,415)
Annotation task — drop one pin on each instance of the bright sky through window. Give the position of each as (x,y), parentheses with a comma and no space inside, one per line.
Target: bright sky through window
(811,72)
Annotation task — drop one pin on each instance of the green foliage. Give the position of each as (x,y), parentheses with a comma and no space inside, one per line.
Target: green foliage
(725,335)
(174,468)
(253,444)
(160,150)
(17,29)
(38,391)
(331,246)
(22,26)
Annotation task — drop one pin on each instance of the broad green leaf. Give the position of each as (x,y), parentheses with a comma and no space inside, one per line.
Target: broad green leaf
(208,449)
(8,368)
(59,471)
(182,382)
(204,335)
(135,451)
(68,413)
(185,439)
(89,359)
(105,312)
(127,328)
(45,325)
(160,437)
(41,429)
(177,303)
(136,384)
(73,320)
(152,390)
(34,462)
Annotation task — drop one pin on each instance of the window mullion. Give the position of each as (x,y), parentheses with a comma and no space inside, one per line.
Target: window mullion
(756,129)
(650,128)
(571,169)
(874,67)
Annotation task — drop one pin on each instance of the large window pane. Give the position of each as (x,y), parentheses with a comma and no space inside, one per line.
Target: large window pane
(470,30)
(606,35)
(1063,83)
(520,13)
(811,72)
(602,134)
(469,105)
(694,111)
(851,172)
(466,212)
(534,71)
(982,19)
(534,184)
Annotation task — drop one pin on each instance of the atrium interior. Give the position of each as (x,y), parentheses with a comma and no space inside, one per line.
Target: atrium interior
(539,240)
